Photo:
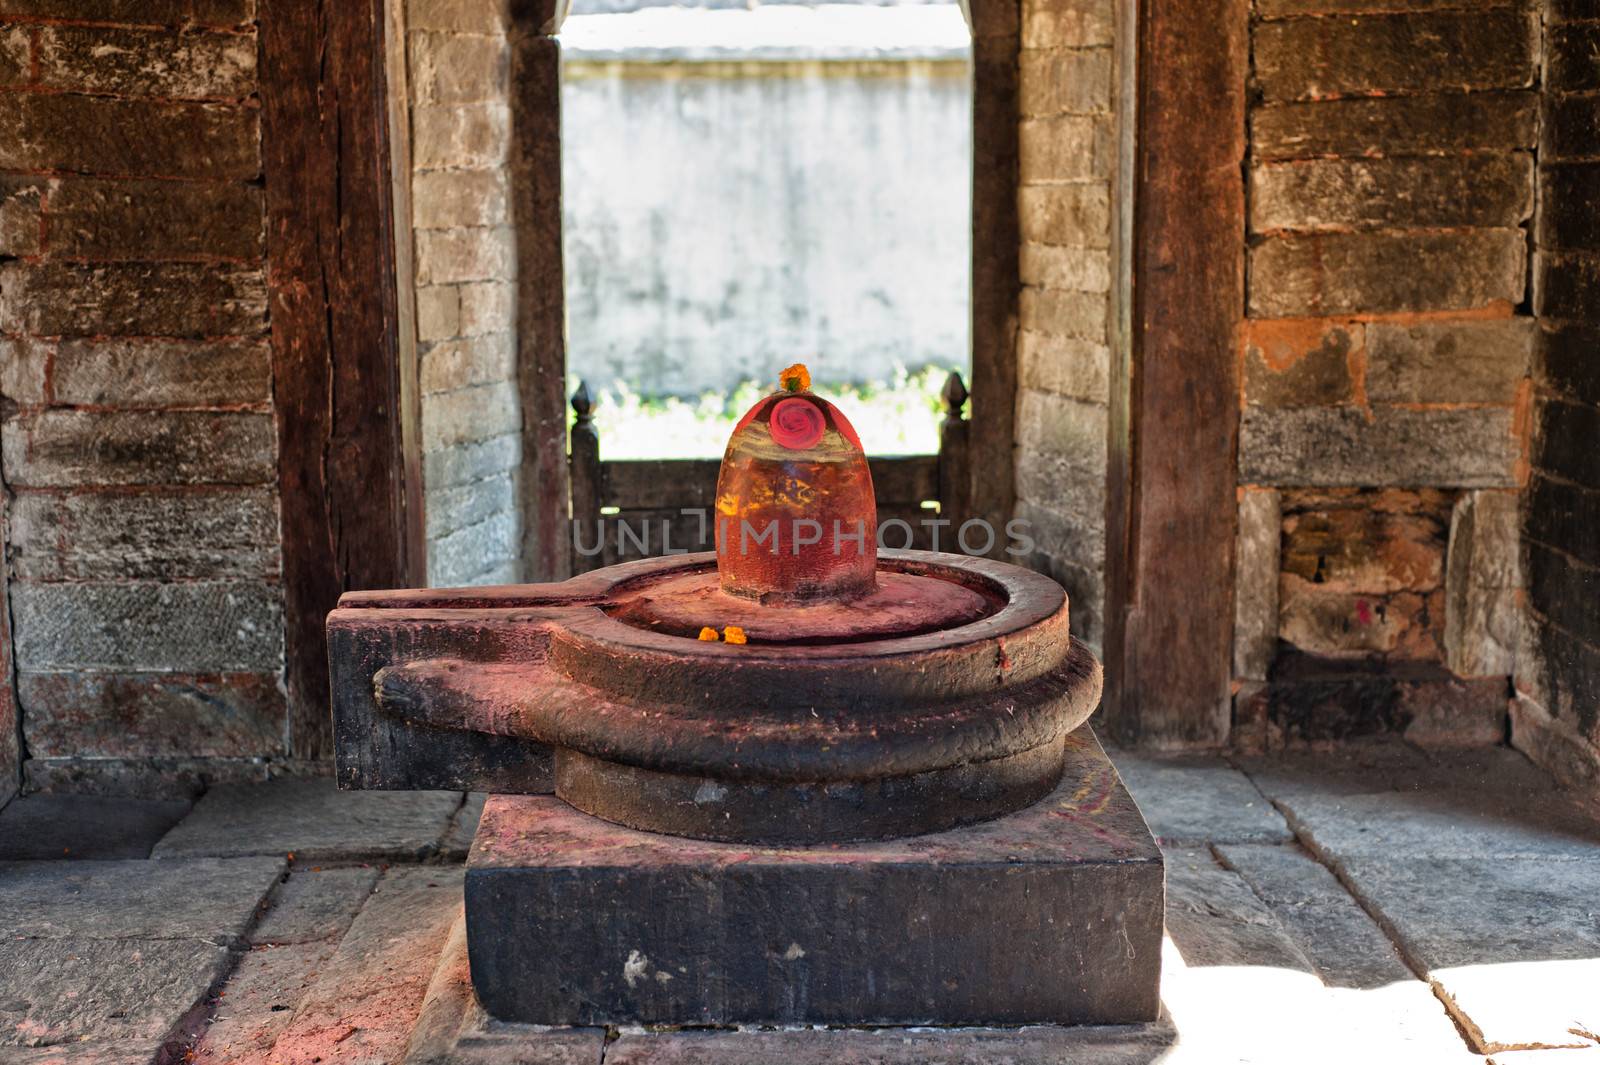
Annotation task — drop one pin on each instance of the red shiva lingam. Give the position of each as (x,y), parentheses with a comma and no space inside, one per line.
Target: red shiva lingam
(777,742)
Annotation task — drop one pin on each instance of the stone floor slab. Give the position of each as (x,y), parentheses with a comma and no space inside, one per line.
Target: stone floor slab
(458,840)
(259,1003)
(315,904)
(1512,946)
(1344,945)
(1189,800)
(210,899)
(88,1052)
(1214,919)
(311,819)
(366,999)
(56,827)
(1132,1045)
(61,991)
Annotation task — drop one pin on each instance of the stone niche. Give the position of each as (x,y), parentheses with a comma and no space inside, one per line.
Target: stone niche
(1365,611)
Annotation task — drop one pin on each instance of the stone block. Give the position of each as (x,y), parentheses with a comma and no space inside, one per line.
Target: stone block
(1469,448)
(24,369)
(1366,541)
(1481,612)
(470,415)
(446,199)
(79,827)
(1051,914)
(155,534)
(488,307)
(1376,273)
(1084,315)
(129,373)
(1484,189)
(1256,569)
(1344,945)
(363,1003)
(1365,126)
(163,715)
(208,901)
(20,219)
(1510,946)
(438,312)
(1559,512)
(1569,63)
(1569,207)
(220,13)
(314,905)
(1396,53)
(1067,269)
(1062,430)
(1072,81)
(456,68)
(1301,362)
(473,460)
(136,62)
(1065,148)
(1560,671)
(152,778)
(313,820)
(1399,626)
(60,992)
(1067,23)
(1562,435)
(464,135)
(132,299)
(97,219)
(1564,591)
(455,507)
(1077,216)
(475,554)
(16,47)
(455,364)
(1566,285)
(1556,745)
(1570,127)
(1104,1045)
(447,256)
(1193,800)
(129,138)
(208,626)
(1274,9)
(1473,361)
(69,448)
(1079,369)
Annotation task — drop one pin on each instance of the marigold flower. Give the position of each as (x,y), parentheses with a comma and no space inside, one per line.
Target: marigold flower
(733,634)
(709,634)
(795,378)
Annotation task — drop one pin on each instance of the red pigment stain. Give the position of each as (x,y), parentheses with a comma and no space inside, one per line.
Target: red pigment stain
(1363,612)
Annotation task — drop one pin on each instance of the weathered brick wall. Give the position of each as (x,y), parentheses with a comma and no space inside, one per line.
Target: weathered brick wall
(465,276)
(1390,183)
(1557,716)
(136,420)
(1067,148)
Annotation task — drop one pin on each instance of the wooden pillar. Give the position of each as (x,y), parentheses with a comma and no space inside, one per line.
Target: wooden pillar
(955,466)
(1171,507)
(349,467)
(541,314)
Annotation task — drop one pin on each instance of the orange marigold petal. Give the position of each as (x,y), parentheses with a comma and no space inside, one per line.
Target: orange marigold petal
(708,633)
(795,378)
(733,634)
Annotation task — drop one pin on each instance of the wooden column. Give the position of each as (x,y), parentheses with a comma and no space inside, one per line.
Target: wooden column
(1175,396)
(996,273)
(10,715)
(349,468)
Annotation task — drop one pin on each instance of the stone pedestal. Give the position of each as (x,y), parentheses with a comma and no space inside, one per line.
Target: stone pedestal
(1051,915)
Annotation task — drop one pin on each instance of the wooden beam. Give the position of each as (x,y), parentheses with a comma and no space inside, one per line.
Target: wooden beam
(996,273)
(1172,510)
(348,466)
(541,297)
(10,714)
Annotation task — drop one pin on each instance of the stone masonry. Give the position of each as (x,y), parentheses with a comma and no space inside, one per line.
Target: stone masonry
(1067,140)
(1556,717)
(1390,188)
(458,66)
(139,450)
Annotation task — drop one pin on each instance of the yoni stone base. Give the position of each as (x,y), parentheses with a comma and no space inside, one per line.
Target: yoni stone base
(1051,915)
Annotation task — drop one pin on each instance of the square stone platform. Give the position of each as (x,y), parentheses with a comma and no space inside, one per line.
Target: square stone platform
(1052,915)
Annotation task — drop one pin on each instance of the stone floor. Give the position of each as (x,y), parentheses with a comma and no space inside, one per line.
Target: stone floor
(1378,904)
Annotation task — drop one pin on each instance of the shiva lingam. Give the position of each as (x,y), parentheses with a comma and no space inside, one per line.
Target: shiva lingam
(794,781)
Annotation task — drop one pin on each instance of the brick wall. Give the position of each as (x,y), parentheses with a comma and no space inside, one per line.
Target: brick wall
(1066,160)
(459,61)
(138,438)
(1390,187)
(1557,717)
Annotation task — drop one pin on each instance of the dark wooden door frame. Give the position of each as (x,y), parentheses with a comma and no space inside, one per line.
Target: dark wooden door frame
(1172,469)
(343,347)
